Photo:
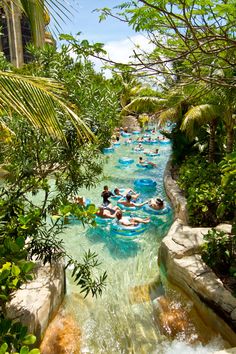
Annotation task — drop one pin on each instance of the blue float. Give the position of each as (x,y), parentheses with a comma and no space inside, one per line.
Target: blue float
(126,160)
(126,135)
(108,150)
(129,231)
(164,141)
(150,210)
(138,150)
(145,183)
(152,154)
(140,165)
(102,221)
(117,143)
(151,142)
(136,132)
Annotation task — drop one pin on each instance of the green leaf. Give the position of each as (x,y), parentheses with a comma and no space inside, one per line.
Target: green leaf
(15,270)
(29,339)
(24,350)
(3,348)
(34,351)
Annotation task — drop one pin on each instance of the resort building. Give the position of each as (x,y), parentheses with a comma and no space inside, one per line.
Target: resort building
(16,34)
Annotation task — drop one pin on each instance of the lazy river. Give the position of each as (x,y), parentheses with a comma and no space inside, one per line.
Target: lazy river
(123,319)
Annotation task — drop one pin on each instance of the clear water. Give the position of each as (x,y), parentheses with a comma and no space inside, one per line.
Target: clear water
(122,320)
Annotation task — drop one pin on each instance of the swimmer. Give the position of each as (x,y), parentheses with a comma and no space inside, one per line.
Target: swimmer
(128,141)
(127,221)
(128,203)
(156,203)
(130,191)
(145,162)
(105,213)
(139,147)
(106,194)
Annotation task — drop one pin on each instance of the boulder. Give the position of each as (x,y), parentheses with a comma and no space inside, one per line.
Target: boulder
(37,302)
(175,195)
(131,123)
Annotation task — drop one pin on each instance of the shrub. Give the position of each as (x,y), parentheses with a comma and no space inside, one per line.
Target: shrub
(219,253)
(208,201)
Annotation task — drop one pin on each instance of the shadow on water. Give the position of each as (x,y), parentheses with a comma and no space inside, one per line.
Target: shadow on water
(118,247)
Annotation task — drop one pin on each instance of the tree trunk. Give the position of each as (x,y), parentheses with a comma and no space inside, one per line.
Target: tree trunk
(229,140)
(211,155)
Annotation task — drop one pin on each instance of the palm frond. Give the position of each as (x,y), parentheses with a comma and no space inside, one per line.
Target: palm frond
(38,100)
(145,104)
(197,116)
(59,10)
(169,114)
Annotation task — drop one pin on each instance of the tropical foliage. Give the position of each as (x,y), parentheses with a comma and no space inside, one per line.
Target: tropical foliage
(219,252)
(208,202)
(31,158)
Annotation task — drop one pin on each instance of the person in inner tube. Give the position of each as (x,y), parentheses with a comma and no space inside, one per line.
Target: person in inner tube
(106,194)
(130,221)
(128,202)
(130,191)
(156,203)
(145,162)
(106,213)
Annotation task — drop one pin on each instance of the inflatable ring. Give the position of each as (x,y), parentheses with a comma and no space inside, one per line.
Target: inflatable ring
(117,143)
(122,230)
(126,160)
(138,150)
(136,132)
(108,150)
(102,221)
(165,141)
(151,142)
(145,183)
(127,135)
(147,165)
(150,210)
(124,207)
(152,154)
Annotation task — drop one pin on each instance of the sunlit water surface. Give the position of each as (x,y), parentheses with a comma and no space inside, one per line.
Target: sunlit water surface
(122,319)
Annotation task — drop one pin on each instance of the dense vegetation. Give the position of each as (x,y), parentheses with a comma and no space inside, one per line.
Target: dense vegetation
(44,172)
(194,67)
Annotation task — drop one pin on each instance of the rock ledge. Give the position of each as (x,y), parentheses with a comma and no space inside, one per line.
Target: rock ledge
(180,262)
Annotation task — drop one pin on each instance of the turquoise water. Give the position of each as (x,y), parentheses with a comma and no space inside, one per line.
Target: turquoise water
(122,320)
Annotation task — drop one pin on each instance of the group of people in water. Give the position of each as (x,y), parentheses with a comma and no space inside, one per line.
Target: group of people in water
(128,198)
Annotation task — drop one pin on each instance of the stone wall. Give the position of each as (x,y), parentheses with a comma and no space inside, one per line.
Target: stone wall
(37,302)
(131,123)
(181,264)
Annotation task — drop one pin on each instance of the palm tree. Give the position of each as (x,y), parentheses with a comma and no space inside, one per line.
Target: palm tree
(38,99)
(199,115)
(191,117)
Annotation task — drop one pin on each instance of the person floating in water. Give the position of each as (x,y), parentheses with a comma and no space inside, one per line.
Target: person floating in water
(130,191)
(139,147)
(128,202)
(106,213)
(106,194)
(130,221)
(145,162)
(156,203)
